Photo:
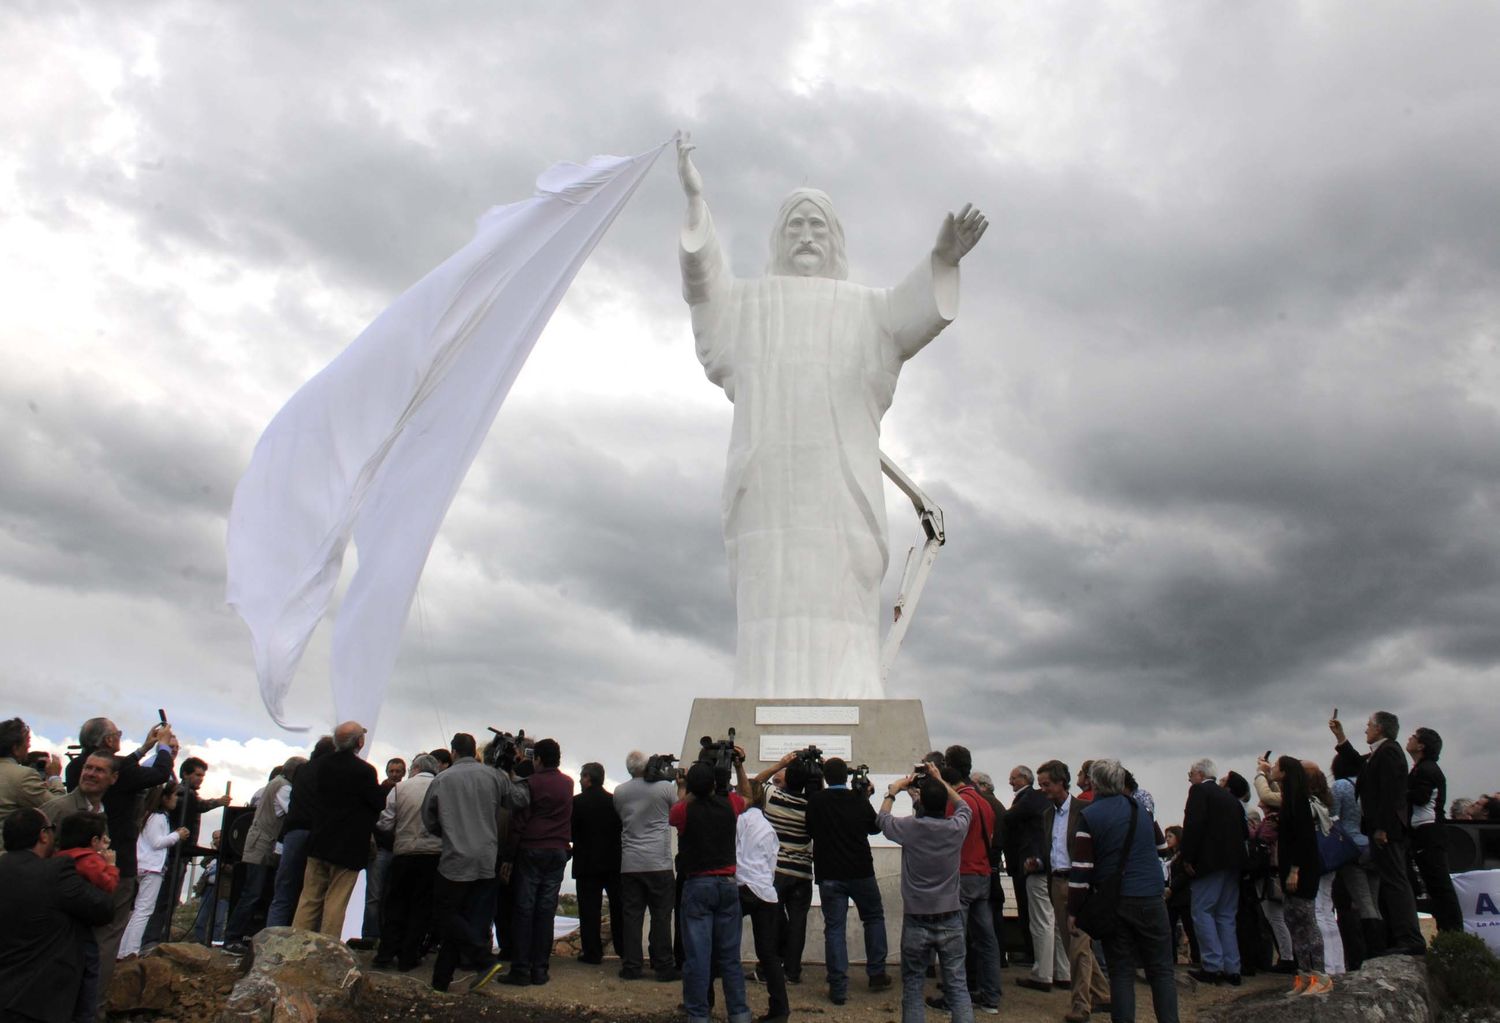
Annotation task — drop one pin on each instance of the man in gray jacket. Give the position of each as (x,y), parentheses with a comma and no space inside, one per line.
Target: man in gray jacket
(261,853)
(464,806)
(408,909)
(932,921)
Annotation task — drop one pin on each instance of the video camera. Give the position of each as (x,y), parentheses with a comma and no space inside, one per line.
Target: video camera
(720,756)
(812,761)
(859,780)
(504,750)
(660,767)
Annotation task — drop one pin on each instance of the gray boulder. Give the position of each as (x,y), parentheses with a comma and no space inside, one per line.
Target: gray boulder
(295,977)
(1391,989)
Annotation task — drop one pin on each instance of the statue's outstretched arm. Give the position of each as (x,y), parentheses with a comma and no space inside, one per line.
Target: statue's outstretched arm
(960,233)
(692,181)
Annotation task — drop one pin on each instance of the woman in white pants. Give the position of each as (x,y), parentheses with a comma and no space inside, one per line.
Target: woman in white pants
(1322,802)
(151,848)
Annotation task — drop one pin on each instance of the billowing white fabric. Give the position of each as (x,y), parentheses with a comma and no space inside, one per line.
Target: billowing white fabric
(375,446)
(811,366)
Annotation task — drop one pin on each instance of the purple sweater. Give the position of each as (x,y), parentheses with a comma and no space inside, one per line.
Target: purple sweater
(548,822)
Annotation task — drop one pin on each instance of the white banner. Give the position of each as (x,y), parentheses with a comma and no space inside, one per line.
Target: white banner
(1479,897)
(375,446)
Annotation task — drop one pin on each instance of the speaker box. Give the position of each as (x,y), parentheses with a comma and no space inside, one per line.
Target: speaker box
(1472,845)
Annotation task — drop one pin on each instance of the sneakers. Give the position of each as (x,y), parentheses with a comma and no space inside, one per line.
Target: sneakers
(880,981)
(488,975)
(1300,984)
(986,1008)
(1318,984)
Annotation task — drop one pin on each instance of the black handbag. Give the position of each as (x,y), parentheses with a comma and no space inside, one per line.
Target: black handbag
(1097,917)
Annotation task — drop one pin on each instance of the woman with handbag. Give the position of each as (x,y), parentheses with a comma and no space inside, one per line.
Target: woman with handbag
(1300,870)
(1359,919)
(1322,804)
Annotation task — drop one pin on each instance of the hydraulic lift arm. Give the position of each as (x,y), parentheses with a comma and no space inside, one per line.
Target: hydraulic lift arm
(918,563)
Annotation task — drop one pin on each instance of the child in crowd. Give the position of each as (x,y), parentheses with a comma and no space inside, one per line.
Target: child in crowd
(151,857)
(85,837)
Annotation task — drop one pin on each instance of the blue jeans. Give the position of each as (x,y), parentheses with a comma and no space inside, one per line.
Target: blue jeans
(979,929)
(1143,935)
(541,874)
(210,908)
(244,910)
(711,943)
(375,883)
(866,895)
(288,879)
(1215,901)
(921,935)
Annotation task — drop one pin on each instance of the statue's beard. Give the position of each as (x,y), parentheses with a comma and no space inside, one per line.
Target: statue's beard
(807,260)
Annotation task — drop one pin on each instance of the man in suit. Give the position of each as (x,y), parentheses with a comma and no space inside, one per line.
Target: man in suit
(46,905)
(596,862)
(1048,938)
(1012,824)
(1381,786)
(1214,832)
(98,774)
(1060,822)
(338,847)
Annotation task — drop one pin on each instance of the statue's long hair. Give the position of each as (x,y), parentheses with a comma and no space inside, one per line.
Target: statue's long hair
(781,264)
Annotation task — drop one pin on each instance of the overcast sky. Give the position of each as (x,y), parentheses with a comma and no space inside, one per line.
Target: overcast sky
(1215,431)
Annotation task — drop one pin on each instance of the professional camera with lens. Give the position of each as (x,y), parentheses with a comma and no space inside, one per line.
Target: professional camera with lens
(718,754)
(859,780)
(660,767)
(812,760)
(505,750)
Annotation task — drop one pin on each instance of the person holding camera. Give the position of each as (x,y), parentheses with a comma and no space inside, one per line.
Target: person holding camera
(705,822)
(22,786)
(646,879)
(786,809)
(932,920)
(465,808)
(840,820)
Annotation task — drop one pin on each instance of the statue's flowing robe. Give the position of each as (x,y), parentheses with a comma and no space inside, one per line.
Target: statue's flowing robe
(810,364)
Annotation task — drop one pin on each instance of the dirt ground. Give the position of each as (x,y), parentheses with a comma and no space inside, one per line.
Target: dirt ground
(587,993)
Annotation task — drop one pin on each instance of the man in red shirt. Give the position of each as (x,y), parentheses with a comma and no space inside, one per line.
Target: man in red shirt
(974,882)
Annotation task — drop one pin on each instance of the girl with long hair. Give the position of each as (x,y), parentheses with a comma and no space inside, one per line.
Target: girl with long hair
(1301,871)
(1321,798)
(151,848)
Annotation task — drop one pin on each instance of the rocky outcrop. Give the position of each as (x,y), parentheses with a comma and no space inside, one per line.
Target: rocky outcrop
(295,977)
(175,981)
(1391,989)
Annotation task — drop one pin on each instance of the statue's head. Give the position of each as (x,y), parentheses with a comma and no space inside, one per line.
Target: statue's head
(808,240)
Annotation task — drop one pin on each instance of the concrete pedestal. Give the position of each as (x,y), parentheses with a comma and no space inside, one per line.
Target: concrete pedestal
(888,735)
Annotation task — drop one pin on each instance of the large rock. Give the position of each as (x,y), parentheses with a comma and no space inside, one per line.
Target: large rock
(295,977)
(175,981)
(1391,989)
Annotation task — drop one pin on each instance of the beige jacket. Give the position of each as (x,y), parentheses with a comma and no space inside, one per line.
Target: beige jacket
(21,787)
(403,817)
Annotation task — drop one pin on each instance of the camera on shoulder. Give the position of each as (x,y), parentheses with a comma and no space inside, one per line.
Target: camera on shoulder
(859,780)
(505,750)
(660,767)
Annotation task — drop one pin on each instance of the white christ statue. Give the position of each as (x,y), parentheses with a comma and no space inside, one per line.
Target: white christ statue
(810,362)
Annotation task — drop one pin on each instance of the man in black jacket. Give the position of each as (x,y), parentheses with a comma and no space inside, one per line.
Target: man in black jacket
(45,905)
(1381,786)
(840,822)
(338,848)
(1427,793)
(1214,832)
(596,862)
(121,805)
(1024,813)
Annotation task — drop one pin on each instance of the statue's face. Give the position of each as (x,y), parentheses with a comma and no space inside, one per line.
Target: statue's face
(805,239)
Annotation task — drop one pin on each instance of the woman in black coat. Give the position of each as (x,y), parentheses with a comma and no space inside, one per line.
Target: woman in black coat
(1301,869)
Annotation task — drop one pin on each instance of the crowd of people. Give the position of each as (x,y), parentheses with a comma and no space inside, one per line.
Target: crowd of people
(464,851)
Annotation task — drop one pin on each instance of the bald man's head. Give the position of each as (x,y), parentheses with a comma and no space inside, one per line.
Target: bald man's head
(349,736)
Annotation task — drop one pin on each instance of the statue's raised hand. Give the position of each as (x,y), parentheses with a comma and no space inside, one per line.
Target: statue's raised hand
(692,181)
(960,233)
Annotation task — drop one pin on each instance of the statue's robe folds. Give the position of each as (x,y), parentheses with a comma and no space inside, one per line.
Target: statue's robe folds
(810,364)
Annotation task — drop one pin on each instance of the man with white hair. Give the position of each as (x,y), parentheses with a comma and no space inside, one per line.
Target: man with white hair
(413,872)
(1213,850)
(810,362)
(646,879)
